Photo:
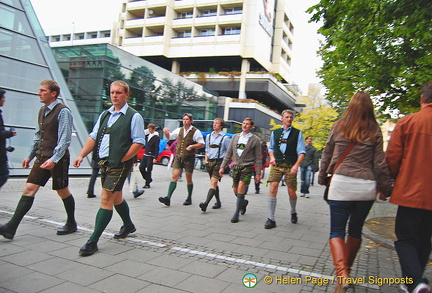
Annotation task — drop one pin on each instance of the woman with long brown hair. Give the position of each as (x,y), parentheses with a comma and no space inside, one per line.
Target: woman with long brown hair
(359,176)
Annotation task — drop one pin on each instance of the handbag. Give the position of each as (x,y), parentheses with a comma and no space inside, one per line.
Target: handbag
(328,179)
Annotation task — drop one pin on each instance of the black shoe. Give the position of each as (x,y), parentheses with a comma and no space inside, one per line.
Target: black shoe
(89,248)
(203,206)
(123,233)
(67,229)
(165,200)
(187,202)
(294,218)
(137,193)
(7,232)
(217,205)
(91,195)
(146,186)
(257,191)
(235,219)
(270,224)
(243,209)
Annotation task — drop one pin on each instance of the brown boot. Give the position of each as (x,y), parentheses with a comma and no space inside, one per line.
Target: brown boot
(352,247)
(338,251)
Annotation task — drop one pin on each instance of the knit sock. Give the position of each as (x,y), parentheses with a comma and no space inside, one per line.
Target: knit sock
(217,195)
(69,204)
(210,194)
(172,186)
(293,203)
(103,217)
(239,206)
(189,189)
(272,207)
(123,211)
(24,205)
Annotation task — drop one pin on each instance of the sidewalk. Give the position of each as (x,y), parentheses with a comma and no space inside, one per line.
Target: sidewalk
(181,249)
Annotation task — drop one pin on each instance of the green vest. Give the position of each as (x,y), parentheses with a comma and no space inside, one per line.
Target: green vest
(120,136)
(290,156)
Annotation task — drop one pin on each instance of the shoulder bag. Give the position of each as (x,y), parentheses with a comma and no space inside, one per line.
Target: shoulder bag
(345,153)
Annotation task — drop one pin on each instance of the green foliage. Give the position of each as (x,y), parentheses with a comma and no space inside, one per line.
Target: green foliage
(383,47)
(316,119)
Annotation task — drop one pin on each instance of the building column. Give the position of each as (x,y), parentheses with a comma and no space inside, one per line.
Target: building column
(175,67)
(245,67)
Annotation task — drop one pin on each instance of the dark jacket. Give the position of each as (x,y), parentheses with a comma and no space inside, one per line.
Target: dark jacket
(152,145)
(4,134)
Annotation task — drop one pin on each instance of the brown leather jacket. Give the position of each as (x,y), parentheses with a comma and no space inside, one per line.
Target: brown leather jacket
(410,162)
(366,160)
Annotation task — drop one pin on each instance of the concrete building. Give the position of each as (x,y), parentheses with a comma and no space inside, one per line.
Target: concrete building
(238,48)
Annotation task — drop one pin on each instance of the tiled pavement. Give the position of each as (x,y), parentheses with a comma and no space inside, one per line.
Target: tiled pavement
(181,249)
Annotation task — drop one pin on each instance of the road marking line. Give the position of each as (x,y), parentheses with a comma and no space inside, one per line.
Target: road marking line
(200,253)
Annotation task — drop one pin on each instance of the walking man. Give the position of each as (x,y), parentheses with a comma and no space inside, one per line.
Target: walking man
(308,165)
(189,139)
(4,134)
(151,153)
(217,144)
(116,138)
(245,149)
(50,147)
(286,151)
(411,165)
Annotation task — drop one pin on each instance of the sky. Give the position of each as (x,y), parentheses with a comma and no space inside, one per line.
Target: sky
(94,14)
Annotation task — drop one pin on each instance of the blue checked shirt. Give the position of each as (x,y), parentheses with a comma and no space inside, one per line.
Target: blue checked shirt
(285,133)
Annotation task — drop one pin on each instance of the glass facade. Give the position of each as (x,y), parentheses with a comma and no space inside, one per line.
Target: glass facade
(157,94)
(26,59)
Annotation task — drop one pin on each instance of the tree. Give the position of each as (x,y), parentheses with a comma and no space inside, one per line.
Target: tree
(317,117)
(383,47)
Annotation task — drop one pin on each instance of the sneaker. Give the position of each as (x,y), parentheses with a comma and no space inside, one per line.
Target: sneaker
(270,224)
(303,195)
(91,195)
(294,218)
(307,196)
(422,288)
(404,288)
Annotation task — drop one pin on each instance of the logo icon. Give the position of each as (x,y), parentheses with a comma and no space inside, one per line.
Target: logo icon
(250,280)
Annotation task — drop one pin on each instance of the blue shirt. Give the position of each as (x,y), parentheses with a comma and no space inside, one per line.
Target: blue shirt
(64,133)
(285,133)
(137,129)
(212,153)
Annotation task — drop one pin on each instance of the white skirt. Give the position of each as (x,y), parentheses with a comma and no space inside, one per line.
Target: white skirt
(348,188)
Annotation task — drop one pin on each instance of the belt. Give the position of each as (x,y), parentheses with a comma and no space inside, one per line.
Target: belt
(215,160)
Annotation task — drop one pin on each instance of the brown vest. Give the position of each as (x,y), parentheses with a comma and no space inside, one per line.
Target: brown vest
(48,128)
(184,142)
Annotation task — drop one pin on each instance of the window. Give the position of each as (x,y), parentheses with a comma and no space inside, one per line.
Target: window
(207,32)
(79,36)
(106,34)
(208,12)
(92,35)
(234,10)
(231,31)
(66,37)
(186,14)
(184,34)
(55,39)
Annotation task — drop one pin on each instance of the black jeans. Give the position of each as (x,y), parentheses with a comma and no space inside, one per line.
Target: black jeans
(146,168)
(413,231)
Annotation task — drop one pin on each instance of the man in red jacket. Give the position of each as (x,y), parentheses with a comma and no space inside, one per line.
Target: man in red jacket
(410,165)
